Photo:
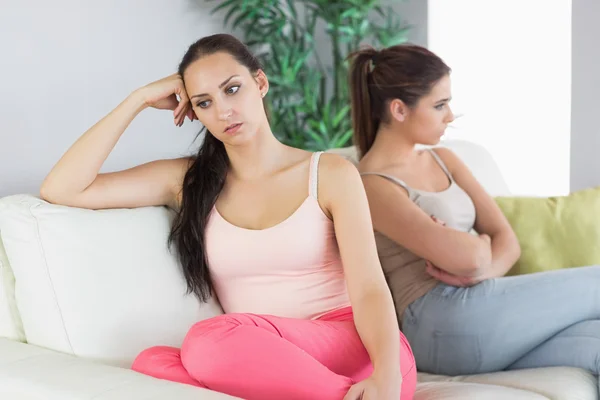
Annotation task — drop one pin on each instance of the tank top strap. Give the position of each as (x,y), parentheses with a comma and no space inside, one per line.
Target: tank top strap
(313,180)
(437,158)
(399,182)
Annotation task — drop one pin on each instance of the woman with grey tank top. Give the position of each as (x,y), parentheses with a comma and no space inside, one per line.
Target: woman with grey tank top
(459,312)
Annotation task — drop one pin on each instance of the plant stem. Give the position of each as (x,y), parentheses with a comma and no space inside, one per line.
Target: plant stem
(336,62)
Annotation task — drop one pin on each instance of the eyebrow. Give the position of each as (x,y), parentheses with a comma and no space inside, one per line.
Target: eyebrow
(443,100)
(220,86)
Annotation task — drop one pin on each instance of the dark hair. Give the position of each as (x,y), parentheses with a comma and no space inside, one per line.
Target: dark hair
(205,177)
(405,72)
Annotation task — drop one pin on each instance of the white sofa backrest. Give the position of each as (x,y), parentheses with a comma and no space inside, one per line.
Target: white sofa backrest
(98,284)
(475,156)
(10,321)
(482,165)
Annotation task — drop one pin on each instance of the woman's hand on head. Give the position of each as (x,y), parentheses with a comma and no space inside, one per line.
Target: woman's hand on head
(169,94)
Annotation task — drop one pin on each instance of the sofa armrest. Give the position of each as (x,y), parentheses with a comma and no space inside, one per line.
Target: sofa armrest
(32,373)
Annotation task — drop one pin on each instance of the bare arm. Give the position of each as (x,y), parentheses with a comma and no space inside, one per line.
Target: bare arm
(397,217)
(490,220)
(75,179)
(343,194)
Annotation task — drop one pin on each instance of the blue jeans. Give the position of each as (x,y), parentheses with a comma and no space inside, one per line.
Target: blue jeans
(537,320)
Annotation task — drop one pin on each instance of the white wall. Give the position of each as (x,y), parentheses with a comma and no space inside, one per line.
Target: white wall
(585,131)
(67,63)
(511,62)
(414,14)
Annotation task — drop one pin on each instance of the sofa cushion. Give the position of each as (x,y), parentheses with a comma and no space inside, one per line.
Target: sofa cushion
(558,383)
(471,391)
(10,321)
(30,372)
(555,232)
(98,284)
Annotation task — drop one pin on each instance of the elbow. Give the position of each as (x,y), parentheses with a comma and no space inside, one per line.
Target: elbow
(474,268)
(516,250)
(50,194)
(46,192)
(480,258)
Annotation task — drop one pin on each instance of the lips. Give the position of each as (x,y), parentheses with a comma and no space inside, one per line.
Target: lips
(233,128)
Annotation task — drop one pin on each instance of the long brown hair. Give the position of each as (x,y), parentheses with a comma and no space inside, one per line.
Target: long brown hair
(205,177)
(405,72)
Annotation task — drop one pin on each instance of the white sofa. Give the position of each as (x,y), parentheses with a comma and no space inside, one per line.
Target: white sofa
(82,292)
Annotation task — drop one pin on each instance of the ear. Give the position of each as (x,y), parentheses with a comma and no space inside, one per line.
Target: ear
(398,110)
(262,82)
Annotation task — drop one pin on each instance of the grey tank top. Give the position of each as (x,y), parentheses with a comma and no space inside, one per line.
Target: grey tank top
(404,270)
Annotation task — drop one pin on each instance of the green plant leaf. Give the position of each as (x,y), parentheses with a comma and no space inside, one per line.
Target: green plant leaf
(241,18)
(232,11)
(225,4)
(341,114)
(292,8)
(341,139)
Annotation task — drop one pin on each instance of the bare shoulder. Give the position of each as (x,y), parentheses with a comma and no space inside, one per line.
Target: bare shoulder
(339,180)
(452,161)
(335,168)
(340,186)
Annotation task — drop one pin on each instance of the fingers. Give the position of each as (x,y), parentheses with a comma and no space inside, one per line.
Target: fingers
(442,275)
(180,115)
(191,114)
(179,112)
(355,393)
(187,111)
(431,270)
(184,103)
(438,221)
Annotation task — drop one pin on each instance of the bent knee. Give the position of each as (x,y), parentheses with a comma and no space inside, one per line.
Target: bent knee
(207,337)
(211,329)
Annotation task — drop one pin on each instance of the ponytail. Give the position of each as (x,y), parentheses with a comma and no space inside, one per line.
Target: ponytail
(364,123)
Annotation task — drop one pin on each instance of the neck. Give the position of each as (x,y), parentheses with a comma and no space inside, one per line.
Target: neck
(261,156)
(393,144)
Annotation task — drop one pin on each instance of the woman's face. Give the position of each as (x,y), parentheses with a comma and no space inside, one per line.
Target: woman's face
(226,97)
(428,120)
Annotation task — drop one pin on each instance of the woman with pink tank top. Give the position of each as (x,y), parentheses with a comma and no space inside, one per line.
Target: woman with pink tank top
(282,238)
(456,307)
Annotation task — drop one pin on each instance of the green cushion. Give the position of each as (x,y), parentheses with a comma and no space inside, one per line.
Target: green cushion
(555,232)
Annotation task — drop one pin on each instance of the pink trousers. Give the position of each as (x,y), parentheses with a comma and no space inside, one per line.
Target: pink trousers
(258,357)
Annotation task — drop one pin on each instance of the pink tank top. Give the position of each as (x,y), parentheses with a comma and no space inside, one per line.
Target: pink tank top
(292,269)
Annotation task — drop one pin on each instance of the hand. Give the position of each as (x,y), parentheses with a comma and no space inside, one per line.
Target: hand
(374,389)
(451,279)
(438,221)
(163,95)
